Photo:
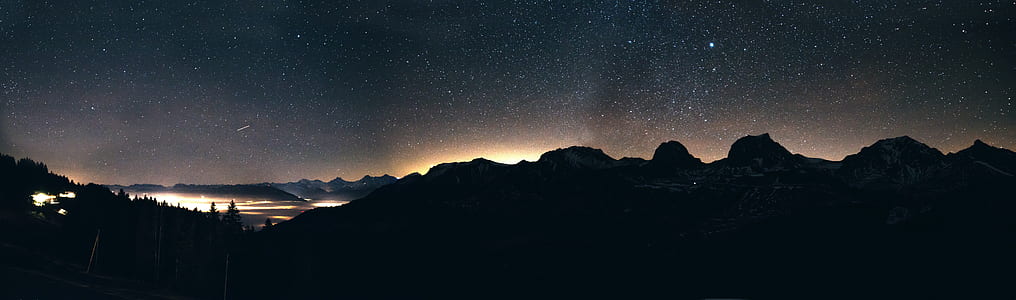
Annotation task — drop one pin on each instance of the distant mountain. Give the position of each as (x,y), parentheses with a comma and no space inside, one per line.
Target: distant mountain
(336,189)
(579,220)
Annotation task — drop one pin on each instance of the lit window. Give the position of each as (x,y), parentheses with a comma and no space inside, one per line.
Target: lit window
(41,199)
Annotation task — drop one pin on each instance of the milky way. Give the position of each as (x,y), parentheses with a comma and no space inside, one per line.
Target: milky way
(253,91)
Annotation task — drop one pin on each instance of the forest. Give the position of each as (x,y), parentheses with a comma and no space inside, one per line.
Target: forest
(87,233)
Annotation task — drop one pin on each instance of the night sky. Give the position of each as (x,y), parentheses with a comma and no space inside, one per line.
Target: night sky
(252,91)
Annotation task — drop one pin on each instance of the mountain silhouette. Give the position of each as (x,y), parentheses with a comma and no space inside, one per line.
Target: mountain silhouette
(759,152)
(673,155)
(996,159)
(577,157)
(579,222)
(335,189)
(900,160)
(898,217)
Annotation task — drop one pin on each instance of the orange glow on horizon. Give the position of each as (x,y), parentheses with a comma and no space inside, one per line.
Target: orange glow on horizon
(504,155)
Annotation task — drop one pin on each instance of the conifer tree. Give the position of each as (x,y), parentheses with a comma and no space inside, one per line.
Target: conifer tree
(232,217)
(213,213)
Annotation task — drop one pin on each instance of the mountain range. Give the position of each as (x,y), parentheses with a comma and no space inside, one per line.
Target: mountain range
(336,189)
(302,190)
(580,220)
(898,219)
(756,169)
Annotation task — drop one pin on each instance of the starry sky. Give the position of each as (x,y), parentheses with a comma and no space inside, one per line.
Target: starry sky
(252,91)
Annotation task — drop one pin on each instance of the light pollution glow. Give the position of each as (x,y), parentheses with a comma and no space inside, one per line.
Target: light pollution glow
(828,147)
(252,212)
(531,151)
(502,154)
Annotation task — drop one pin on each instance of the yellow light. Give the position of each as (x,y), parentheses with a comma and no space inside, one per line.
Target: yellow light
(68,195)
(267,207)
(62,211)
(504,156)
(329,203)
(277,219)
(41,199)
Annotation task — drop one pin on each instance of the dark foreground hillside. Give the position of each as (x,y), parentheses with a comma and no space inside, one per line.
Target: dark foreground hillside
(898,219)
(64,240)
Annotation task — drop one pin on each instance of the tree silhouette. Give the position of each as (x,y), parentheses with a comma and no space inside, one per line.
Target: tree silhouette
(232,218)
(213,213)
(143,239)
(268,223)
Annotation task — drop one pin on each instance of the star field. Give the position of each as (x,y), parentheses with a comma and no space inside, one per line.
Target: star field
(253,91)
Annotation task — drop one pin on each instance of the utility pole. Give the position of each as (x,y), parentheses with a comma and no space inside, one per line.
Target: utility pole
(158,243)
(225,282)
(95,246)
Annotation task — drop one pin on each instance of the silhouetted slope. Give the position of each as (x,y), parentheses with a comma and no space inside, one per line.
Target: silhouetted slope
(762,221)
(23,177)
(143,245)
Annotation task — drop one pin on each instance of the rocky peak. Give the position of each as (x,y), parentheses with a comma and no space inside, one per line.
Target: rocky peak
(899,160)
(758,150)
(578,157)
(674,154)
(980,152)
(980,149)
(896,150)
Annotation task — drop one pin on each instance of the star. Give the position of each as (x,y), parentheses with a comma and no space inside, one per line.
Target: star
(336,90)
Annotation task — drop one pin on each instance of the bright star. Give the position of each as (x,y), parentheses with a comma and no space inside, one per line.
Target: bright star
(712,45)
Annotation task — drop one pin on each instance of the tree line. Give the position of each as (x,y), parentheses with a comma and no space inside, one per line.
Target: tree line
(98,231)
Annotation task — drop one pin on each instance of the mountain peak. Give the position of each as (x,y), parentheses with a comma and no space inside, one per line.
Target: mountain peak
(376,180)
(894,147)
(338,180)
(981,151)
(980,147)
(899,143)
(477,164)
(578,157)
(981,144)
(674,154)
(900,160)
(758,149)
(481,160)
